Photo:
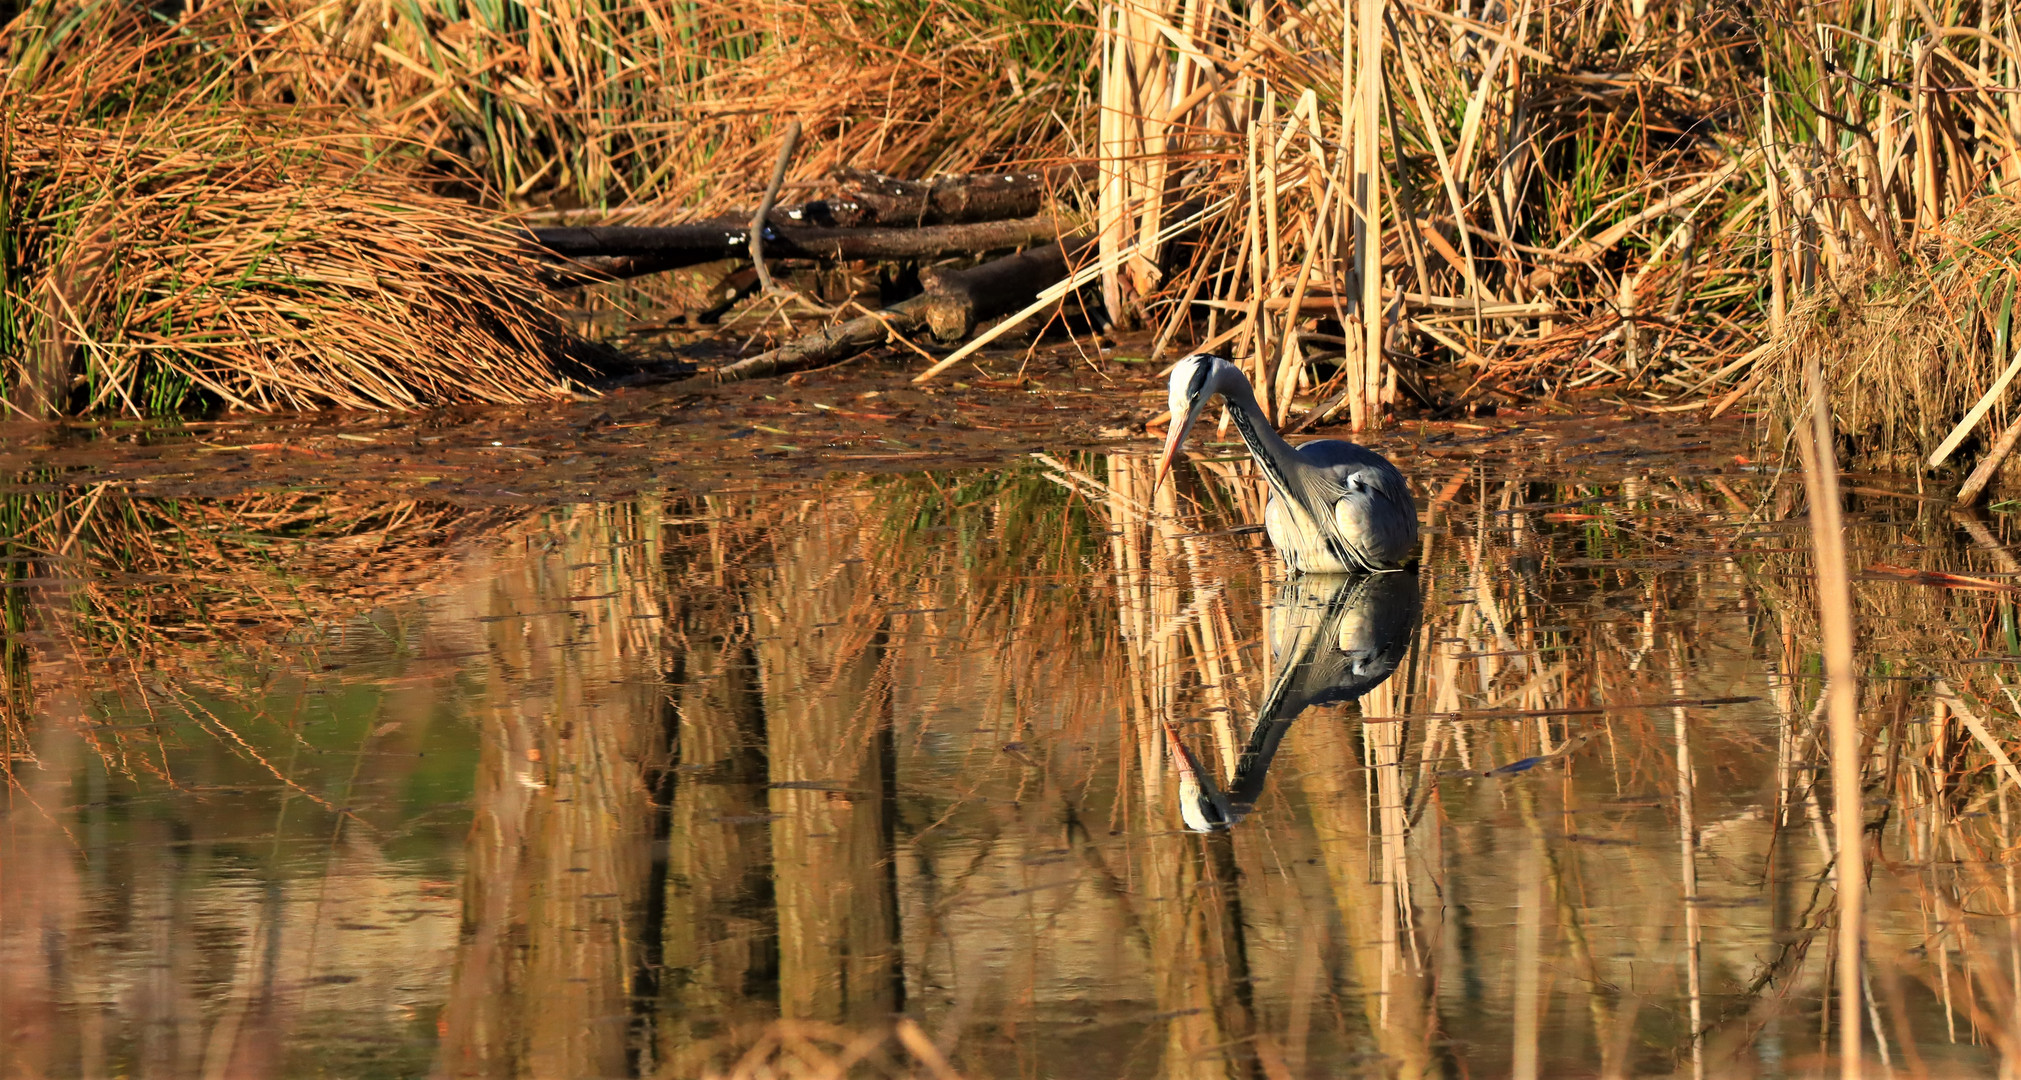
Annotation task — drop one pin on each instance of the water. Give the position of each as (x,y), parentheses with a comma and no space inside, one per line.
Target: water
(1060,771)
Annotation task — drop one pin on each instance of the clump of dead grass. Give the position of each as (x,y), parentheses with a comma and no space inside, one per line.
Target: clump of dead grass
(168,241)
(1906,355)
(214,254)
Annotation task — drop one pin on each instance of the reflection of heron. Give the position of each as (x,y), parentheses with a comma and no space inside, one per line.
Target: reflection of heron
(1333,638)
(1335,508)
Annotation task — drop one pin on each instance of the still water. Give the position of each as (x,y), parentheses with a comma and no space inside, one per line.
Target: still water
(1017,772)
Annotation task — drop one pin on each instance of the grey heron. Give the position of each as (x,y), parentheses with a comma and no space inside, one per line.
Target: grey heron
(1334,507)
(1333,638)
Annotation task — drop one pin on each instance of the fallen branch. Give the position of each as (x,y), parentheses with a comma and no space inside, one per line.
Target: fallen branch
(1190,216)
(1975,484)
(636,249)
(760,220)
(1976,413)
(954,301)
(824,346)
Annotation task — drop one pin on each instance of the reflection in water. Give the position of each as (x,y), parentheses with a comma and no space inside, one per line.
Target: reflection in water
(1332,639)
(876,777)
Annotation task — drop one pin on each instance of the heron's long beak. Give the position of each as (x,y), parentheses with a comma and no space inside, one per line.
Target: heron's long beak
(1187,765)
(1175,435)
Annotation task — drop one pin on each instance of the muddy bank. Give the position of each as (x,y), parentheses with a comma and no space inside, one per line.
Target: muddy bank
(866,417)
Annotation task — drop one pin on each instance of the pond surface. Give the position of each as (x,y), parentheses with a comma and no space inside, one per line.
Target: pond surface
(1025,770)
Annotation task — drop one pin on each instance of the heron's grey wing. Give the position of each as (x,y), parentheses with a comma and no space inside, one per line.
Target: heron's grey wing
(1372,510)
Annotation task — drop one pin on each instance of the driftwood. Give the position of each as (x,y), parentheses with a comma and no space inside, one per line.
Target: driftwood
(1975,484)
(592,251)
(872,198)
(954,301)
(876,218)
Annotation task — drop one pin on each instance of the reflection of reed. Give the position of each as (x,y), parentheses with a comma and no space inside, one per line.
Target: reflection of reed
(1539,847)
(819,634)
(1193,917)
(1368,885)
(556,873)
(195,591)
(150,929)
(42,913)
(719,938)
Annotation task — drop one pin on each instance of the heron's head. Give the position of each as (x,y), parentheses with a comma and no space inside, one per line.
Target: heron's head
(1202,805)
(1204,810)
(1195,381)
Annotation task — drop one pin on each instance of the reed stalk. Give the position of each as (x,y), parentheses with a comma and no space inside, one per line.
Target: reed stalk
(1835,615)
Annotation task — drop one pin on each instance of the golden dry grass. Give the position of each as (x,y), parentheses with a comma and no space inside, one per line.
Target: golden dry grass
(169,245)
(1392,201)
(161,257)
(1905,355)
(673,107)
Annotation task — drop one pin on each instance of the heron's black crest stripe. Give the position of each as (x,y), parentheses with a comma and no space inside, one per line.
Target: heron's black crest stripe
(1199,382)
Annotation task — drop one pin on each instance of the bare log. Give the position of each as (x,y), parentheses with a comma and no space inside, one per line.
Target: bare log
(872,198)
(629,250)
(959,299)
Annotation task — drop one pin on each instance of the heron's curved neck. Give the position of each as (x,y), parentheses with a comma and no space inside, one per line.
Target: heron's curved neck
(1265,444)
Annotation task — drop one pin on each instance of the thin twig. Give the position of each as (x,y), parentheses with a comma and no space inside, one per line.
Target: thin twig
(758,220)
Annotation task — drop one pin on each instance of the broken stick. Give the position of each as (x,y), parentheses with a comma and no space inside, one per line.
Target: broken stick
(1975,484)
(759,225)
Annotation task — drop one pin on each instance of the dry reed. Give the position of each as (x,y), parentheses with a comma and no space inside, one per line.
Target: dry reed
(1912,361)
(1842,698)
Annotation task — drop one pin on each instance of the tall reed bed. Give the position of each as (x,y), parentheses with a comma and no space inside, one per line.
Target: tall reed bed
(672,106)
(1543,198)
(1369,203)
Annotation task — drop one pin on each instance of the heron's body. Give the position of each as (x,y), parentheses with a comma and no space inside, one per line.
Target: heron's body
(1334,507)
